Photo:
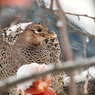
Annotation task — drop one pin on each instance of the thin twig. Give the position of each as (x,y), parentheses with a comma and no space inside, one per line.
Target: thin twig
(74,29)
(67,50)
(86,85)
(63,33)
(72,83)
(84,45)
(78,15)
(90,75)
(84,56)
(68,66)
(78,31)
(19,16)
(21,13)
(48,9)
(13,51)
(63,15)
(51,4)
(84,15)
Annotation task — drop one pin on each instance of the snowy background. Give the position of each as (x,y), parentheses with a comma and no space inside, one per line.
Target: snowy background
(73,6)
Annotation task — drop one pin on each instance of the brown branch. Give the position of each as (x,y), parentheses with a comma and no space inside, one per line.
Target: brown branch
(12,50)
(86,86)
(84,45)
(62,28)
(48,9)
(74,29)
(90,75)
(41,5)
(84,15)
(78,15)
(78,31)
(84,56)
(51,5)
(72,89)
(63,15)
(21,13)
(65,40)
(41,16)
(19,16)
(63,33)
(67,66)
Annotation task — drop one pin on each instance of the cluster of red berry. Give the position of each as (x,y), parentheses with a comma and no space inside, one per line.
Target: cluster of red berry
(39,86)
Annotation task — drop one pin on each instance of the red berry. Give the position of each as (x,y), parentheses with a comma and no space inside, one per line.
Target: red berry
(47,92)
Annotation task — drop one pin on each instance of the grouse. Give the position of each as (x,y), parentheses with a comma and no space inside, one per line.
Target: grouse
(29,43)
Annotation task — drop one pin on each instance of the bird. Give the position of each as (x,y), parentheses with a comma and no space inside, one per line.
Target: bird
(34,44)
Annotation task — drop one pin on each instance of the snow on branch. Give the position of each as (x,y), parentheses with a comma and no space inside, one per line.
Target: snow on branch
(67,66)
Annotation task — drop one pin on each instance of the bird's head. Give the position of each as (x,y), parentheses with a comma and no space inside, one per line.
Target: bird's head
(35,33)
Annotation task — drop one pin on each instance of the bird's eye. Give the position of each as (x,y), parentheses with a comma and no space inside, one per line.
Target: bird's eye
(39,30)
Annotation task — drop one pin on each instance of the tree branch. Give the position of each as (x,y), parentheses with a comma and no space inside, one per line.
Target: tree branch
(74,29)
(63,33)
(84,45)
(84,15)
(67,66)
(86,85)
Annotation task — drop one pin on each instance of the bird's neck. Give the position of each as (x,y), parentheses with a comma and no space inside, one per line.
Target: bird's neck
(33,53)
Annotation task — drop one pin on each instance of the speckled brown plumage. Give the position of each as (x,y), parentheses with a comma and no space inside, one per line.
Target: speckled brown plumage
(36,44)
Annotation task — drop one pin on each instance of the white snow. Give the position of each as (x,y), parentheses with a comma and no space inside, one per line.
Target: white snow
(59,23)
(13,28)
(27,70)
(82,76)
(87,39)
(79,7)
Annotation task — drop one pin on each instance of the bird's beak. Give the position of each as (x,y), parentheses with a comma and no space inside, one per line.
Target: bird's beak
(52,34)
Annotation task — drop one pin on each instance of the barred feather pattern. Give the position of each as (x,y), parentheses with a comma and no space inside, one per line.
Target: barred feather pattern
(47,52)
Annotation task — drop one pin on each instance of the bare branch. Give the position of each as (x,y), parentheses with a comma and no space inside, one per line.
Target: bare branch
(68,51)
(86,85)
(74,29)
(78,31)
(84,15)
(67,66)
(84,45)
(72,83)
(51,5)
(21,13)
(78,15)
(90,75)
(63,15)
(63,33)
(19,16)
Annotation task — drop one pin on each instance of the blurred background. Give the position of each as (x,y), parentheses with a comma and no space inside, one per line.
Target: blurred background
(33,13)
